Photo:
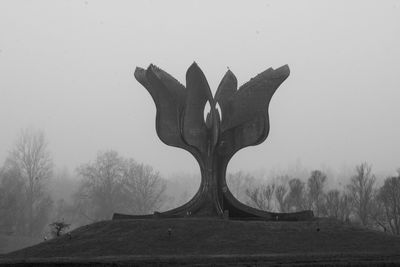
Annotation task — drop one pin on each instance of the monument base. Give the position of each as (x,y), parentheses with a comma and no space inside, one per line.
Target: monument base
(228,208)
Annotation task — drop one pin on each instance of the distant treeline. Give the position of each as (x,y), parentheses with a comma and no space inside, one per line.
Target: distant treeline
(33,194)
(359,201)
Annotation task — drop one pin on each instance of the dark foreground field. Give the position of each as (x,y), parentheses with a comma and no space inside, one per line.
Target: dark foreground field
(213,242)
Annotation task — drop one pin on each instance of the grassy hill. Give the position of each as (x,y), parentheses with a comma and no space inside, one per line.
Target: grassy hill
(10,243)
(215,240)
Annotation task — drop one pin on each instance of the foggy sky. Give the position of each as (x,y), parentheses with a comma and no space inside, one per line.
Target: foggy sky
(66,67)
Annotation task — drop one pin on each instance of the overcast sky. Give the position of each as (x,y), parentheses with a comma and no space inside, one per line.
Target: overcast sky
(66,67)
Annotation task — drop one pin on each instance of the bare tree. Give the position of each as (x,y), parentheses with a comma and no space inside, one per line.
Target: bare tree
(12,201)
(238,182)
(145,188)
(296,196)
(338,205)
(345,209)
(332,203)
(261,196)
(280,195)
(315,185)
(58,228)
(378,212)
(101,191)
(361,189)
(114,184)
(389,198)
(31,158)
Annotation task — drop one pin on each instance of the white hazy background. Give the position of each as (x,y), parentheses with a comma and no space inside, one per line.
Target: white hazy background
(66,67)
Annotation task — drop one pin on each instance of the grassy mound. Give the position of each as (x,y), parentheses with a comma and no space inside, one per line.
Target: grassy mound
(202,239)
(10,243)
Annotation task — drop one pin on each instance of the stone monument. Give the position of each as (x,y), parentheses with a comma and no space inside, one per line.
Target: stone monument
(240,121)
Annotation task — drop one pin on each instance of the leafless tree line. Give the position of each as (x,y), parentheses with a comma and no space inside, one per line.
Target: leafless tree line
(359,201)
(114,184)
(24,202)
(109,184)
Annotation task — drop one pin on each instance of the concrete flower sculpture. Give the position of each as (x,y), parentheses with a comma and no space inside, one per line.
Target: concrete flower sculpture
(242,121)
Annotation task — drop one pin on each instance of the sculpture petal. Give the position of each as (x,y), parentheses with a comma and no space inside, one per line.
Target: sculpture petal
(168,95)
(249,133)
(171,84)
(248,123)
(140,75)
(252,99)
(226,89)
(198,93)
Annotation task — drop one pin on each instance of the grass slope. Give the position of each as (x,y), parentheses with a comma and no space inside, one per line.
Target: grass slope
(216,240)
(10,243)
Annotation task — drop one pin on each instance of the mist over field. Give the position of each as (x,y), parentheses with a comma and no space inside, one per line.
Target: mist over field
(71,108)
